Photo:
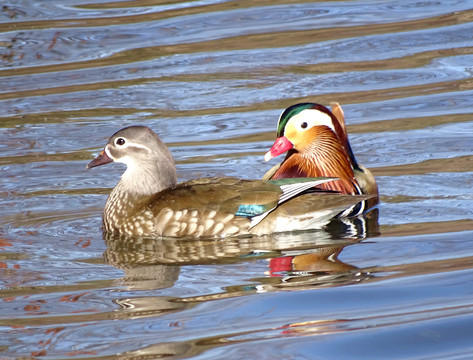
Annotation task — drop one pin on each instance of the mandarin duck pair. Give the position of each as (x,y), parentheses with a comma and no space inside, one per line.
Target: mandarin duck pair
(318,180)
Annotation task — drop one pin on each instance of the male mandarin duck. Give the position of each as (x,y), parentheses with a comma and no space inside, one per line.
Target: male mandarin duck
(316,142)
(148,201)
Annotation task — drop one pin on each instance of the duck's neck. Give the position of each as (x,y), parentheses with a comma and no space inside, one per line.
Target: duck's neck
(325,157)
(146,179)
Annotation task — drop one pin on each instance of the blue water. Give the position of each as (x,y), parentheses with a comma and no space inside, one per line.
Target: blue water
(212,77)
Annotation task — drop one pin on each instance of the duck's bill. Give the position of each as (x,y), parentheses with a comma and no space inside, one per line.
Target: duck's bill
(281,145)
(101,159)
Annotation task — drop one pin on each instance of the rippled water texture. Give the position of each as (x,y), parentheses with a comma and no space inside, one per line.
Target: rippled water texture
(211,77)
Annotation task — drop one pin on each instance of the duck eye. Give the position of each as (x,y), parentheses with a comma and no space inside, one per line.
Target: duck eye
(120,141)
(304,125)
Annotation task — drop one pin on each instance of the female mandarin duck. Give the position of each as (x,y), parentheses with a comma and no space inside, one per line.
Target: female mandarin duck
(148,201)
(316,142)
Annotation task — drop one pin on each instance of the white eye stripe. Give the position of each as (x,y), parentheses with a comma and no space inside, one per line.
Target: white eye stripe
(141,146)
(130,144)
(311,117)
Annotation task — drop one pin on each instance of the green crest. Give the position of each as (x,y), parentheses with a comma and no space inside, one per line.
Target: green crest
(289,113)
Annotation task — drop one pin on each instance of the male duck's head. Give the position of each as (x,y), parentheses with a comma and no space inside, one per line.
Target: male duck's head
(304,127)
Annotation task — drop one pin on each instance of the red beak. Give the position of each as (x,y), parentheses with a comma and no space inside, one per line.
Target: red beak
(281,145)
(101,159)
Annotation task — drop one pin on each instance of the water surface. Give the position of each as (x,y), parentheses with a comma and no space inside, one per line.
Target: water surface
(212,77)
